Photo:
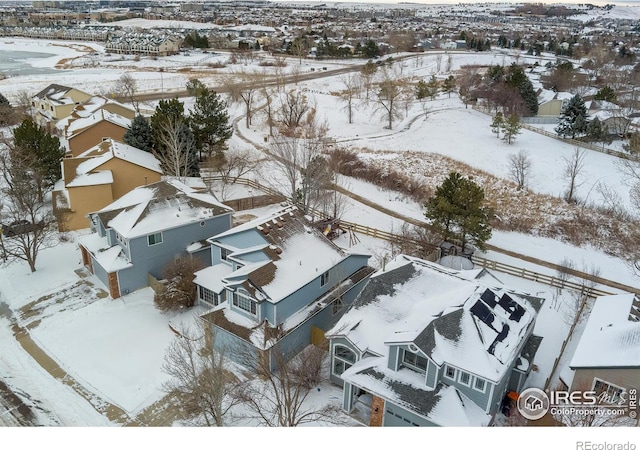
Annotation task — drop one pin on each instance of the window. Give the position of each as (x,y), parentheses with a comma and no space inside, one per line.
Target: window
(414,362)
(450,372)
(243,302)
(154,239)
(343,358)
(324,278)
(607,392)
(337,307)
(224,254)
(208,296)
(464,378)
(479,385)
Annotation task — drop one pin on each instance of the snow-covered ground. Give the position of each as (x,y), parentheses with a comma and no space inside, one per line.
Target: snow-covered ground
(114,349)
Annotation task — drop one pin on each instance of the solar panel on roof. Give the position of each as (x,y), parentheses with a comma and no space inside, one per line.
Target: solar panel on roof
(489,298)
(482,312)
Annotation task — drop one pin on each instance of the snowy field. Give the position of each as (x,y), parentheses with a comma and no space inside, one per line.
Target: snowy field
(114,349)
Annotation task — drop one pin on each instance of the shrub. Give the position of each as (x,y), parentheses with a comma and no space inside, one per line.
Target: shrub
(180,290)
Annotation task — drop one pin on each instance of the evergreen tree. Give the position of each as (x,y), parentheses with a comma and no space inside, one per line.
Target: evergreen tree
(573,118)
(139,134)
(510,128)
(597,132)
(606,94)
(434,87)
(457,211)
(422,90)
(516,77)
(497,123)
(449,85)
(210,122)
(6,112)
(370,49)
(39,152)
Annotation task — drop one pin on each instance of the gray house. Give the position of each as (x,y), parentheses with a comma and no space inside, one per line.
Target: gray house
(276,281)
(423,345)
(141,232)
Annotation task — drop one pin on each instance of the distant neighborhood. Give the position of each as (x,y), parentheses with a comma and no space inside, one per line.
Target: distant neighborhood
(430,334)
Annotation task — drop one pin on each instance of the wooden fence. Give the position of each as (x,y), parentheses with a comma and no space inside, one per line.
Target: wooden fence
(584,287)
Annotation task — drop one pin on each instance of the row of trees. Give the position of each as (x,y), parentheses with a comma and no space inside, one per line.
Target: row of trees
(178,140)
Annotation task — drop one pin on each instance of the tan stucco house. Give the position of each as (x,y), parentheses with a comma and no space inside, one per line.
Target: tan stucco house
(56,102)
(83,133)
(99,176)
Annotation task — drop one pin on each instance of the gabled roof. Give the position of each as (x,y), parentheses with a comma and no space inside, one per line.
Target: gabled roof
(463,322)
(295,254)
(611,338)
(443,406)
(159,206)
(53,90)
(109,149)
(81,124)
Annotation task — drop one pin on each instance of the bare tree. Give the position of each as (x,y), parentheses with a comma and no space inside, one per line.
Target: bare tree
(367,74)
(468,80)
(303,168)
(126,88)
(350,93)
(279,397)
(179,291)
(244,87)
(178,147)
(413,240)
(574,165)
(231,166)
(389,96)
(268,95)
(201,382)
(31,223)
(519,166)
(294,106)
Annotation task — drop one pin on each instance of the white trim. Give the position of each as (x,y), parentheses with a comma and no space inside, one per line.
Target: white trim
(462,372)
(455,372)
(490,396)
(484,386)
(153,234)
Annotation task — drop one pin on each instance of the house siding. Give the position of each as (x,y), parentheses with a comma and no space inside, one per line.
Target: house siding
(243,239)
(482,399)
(312,290)
(432,373)
(93,135)
(628,378)
(153,259)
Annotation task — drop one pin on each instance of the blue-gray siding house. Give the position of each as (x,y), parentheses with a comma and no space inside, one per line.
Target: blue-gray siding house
(276,281)
(147,228)
(423,345)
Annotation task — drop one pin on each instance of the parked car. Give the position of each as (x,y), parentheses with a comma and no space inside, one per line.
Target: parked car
(19,227)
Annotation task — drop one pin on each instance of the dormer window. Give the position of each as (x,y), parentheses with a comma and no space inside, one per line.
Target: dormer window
(224,254)
(479,385)
(450,372)
(414,361)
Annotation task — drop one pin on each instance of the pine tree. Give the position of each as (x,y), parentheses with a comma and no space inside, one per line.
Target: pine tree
(449,85)
(40,152)
(597,132)
(516,77)
(434,87)
(573,118)
(497,123)
(457,211)
(422,90)
(210,122)
(139,134)
(510,128)
(7,116)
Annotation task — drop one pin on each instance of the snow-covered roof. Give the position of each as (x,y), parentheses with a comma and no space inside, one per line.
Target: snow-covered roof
(443,406)
(295,254)
(111,258)
(109,149)
(92,179)
(159,206)
(82,123)
(211,277)
(468,323)
(611,337)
